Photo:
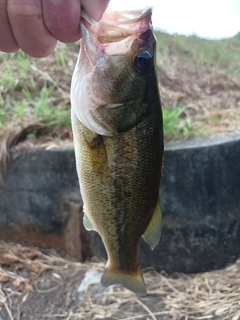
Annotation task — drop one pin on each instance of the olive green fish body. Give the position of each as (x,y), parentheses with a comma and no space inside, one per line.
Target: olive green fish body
(119,173)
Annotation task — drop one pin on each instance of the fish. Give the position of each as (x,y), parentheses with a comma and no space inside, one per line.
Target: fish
(118,138)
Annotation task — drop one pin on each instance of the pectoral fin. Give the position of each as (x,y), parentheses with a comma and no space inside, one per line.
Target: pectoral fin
(87,223)
(152,234)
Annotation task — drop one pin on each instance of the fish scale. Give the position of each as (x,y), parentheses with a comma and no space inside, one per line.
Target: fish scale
(119,146)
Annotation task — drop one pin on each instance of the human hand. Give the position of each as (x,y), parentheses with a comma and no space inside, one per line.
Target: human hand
(35,25)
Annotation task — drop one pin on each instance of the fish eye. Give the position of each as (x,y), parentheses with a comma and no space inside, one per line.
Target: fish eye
(142,61)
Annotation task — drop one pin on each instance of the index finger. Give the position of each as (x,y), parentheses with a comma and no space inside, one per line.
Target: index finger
(95,8)
(7,40)
(28,27)
(62,18)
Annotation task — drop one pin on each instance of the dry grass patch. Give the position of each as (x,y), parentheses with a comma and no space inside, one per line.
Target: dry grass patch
(45,286)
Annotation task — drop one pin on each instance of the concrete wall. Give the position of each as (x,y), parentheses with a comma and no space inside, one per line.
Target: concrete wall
(40,204)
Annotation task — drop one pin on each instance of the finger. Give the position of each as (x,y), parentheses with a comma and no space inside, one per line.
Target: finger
(62,18)
(7,40)
(95,8)
(26,19)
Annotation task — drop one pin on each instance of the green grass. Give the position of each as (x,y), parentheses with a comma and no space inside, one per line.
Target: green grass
(35,89)
(178,125)
(42,107)
(221,54)
(38,89)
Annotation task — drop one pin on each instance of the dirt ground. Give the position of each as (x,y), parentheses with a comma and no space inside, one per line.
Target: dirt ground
(212,96)
(38,285)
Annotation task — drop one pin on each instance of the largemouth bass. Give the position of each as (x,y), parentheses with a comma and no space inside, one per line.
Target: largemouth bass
(118,138)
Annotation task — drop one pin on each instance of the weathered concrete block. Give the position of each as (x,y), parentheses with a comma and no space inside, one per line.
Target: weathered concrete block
(40,204)
(200,194)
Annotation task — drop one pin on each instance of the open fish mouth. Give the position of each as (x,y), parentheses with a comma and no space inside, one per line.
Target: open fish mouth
(128,16)
(116,26)
(121,17)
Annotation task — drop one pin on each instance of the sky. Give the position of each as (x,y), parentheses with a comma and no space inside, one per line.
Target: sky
(214,19)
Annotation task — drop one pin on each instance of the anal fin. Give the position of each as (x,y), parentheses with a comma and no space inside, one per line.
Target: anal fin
(152,234)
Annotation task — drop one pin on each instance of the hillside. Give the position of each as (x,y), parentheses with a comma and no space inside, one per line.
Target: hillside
(202,75)
(199,84)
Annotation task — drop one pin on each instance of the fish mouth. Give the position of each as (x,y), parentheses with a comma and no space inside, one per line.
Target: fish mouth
(93,49)
(120,17)
(118,25)
(127,17)
(114,32)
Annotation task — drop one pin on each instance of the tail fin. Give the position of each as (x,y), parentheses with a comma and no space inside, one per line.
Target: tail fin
(132,281)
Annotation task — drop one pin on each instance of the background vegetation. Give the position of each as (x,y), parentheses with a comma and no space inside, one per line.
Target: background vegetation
(198,79)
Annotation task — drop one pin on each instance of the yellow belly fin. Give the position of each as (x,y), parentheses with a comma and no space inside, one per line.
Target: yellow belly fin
(133,281)
(87,223)
(152,234)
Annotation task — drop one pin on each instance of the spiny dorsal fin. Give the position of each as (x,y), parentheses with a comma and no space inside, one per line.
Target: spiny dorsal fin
(152,234)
